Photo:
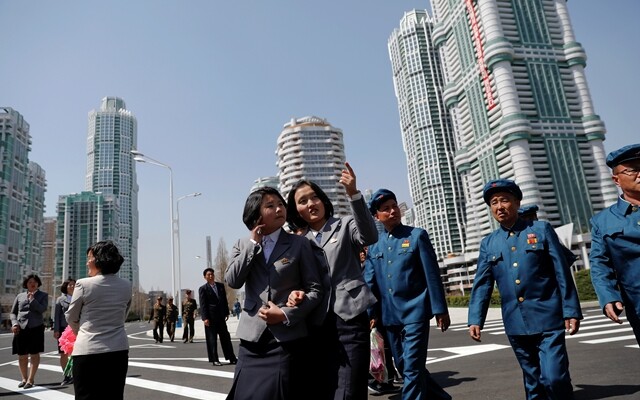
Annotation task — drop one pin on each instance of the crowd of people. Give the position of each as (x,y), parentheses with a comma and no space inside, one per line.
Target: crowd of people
(316,285)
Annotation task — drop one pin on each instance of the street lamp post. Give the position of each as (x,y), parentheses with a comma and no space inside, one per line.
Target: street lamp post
(139,157)
(179,300)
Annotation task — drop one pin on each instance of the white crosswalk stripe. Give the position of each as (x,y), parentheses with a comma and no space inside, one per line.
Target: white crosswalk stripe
(593,324)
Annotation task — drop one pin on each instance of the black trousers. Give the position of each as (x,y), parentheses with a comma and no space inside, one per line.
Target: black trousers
(340,351)
(211,334)
(90,381)
(188,332)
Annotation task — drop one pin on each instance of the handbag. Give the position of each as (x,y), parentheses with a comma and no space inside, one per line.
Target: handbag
(377,365)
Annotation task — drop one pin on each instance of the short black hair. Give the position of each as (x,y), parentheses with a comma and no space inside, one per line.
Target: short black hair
(108,258)
(293,216)
(65,285)
(251,213)
(31,276)
(207,270)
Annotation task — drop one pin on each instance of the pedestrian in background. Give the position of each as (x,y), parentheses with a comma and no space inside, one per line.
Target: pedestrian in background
(237,309)
(27,325)
(402,271)
(615,242)
(60,323)
(171,317)
(189,307)
(97,313)
(158,316)
(270,264)
(538,297)
(214,311)
(341,344)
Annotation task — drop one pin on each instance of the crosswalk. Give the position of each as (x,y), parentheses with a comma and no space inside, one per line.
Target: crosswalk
(595,329)
(160,376)
(49,392)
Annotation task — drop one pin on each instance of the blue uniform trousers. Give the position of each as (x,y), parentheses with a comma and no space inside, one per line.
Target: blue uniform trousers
(545,365)
(411,360)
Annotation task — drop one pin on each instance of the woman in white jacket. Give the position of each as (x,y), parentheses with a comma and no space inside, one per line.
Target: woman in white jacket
(97,314)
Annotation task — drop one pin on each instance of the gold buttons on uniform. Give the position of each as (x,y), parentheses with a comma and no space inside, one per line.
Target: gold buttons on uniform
(513,248)
(517,281)
(520,299)
(511,233)
(389,248)
(515,264)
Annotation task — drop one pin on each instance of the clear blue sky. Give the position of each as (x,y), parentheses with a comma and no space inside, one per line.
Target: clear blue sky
(213,82)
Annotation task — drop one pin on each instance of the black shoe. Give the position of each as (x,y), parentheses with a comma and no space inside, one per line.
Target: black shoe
(190,340)
(217,363)
(185,341)
(21,384)
(233,362)
(378,388)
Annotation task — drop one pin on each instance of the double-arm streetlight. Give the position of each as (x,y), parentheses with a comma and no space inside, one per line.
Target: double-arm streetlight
(195,194)
(139,157)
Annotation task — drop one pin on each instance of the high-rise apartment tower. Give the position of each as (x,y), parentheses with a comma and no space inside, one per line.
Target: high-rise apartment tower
(427,135)
(521,109)
(112,134)
(310,148)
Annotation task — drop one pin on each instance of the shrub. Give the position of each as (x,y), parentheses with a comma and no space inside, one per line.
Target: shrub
(584,285)
(463,301)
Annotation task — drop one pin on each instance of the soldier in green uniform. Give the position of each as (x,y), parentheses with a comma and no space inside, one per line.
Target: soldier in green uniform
(189,307)
(171,318)
(158,314)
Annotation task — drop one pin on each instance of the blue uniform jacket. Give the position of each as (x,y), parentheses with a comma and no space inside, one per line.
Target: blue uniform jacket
(403,273)
(534,279)
(615,255)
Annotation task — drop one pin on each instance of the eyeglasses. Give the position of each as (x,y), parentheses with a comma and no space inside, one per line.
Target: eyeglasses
(630,172)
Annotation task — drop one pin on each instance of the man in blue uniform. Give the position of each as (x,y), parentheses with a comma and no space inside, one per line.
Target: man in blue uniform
(528,213)
(403,273)
(539,299)
(615,242)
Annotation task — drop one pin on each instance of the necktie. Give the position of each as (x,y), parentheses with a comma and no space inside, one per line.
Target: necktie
(267,247)
(215,289)
(319,237)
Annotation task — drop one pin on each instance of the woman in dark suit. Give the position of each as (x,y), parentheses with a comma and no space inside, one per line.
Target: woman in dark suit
(271,263)
(60,322)
(97,313)
(27,325)
(343,362)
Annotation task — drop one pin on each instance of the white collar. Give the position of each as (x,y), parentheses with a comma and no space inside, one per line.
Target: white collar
(273,235)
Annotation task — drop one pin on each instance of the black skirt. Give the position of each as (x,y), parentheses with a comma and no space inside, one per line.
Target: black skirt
(267,370)
(28,341)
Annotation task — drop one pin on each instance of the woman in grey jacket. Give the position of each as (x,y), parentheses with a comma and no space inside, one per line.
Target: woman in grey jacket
(341,343)
(97,313)
(27,325)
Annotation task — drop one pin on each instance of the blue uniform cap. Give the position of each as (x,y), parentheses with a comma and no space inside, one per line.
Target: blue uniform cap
(623,154)
(530,209)
(500,185)
(379,197)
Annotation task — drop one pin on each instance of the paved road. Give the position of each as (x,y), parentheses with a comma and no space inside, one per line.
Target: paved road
(605,364)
